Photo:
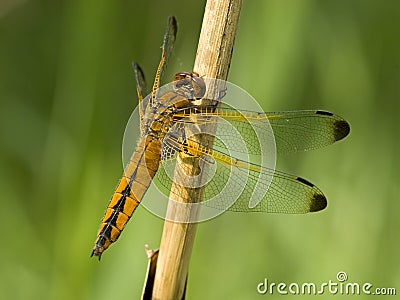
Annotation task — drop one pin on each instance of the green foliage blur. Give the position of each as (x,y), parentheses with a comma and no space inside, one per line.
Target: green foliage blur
(67,91)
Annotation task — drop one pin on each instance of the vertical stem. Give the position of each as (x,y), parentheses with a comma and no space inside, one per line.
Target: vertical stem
(213,59)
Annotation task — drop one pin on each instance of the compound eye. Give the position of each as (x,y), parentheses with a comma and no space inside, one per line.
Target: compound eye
(190,85)
(182,76)
(199,86)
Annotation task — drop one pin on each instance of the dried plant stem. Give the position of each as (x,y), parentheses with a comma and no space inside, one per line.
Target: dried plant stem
(213,59)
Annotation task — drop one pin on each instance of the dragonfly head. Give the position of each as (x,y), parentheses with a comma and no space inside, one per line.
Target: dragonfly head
(189,85)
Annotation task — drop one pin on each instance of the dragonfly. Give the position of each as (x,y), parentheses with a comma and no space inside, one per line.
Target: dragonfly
(175,108)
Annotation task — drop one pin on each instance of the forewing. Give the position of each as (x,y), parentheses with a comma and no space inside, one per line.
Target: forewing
(167,47)
(140,81)
(293,130)
(140,89)
(168,43)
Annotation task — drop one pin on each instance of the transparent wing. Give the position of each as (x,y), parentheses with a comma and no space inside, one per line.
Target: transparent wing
(168,42)
(276,192)
(293,130)
(140,81)
(140,89)
(167,47)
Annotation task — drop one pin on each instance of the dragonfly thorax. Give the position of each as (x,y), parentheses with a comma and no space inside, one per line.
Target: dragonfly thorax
(159,118)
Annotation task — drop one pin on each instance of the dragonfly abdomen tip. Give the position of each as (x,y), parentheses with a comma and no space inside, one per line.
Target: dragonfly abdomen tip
(96,252)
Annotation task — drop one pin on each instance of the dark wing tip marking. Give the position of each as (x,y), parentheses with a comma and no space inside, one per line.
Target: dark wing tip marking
(318,203)
(172,20)
(324,113)
(135,65)
(137,69)
(342,129)
(173,25)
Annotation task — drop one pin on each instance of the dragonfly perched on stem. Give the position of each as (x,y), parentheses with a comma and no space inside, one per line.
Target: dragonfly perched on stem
(164,115)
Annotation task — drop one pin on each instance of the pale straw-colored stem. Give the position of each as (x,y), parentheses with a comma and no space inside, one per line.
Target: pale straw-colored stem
(213,59)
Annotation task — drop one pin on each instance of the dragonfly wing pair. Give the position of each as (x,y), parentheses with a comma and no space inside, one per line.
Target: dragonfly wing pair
(235,179)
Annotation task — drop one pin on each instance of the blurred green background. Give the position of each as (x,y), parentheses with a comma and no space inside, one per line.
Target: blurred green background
(67,91)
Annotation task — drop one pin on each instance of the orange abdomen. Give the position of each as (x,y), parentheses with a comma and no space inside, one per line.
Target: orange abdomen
(129,192)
